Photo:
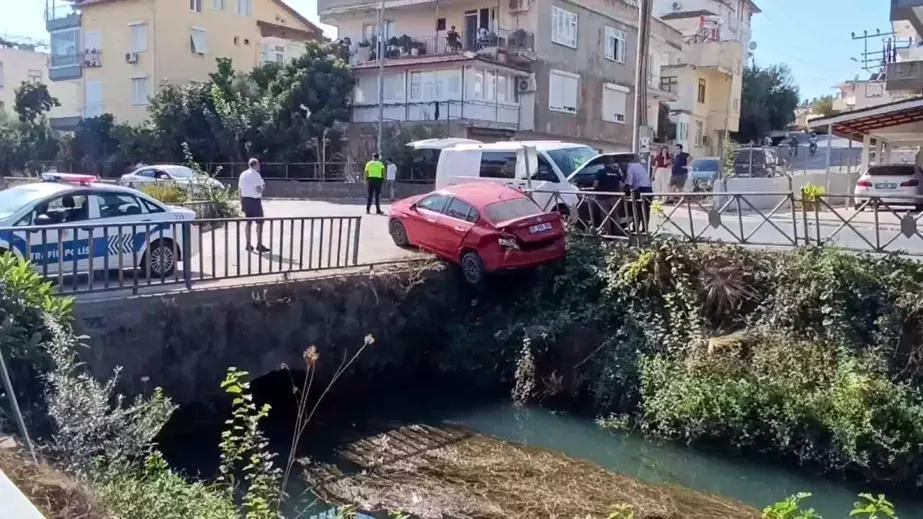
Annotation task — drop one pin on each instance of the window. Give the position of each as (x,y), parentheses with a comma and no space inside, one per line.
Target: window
(440,24)
(35,76)
(94,99)
(511,210)
(199,41)
(563,27)
(491,77)
(114,205)
(218,5)
(244,7)
(545,172)
(502,91)
(569,159)
(479,84)
(669,84)
(146,173)
(701,90)
(433,85)
(562,91)
(434,203)
(195,5)
(498,164)
(615,101)
(66,209)
(458,208)
(615,44)
(138,37)
(64,45)
(140,92)
(699,130)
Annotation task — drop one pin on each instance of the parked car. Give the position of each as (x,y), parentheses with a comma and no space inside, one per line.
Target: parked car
(584,176)
(49,210)
(705,170)
(756,163)
(422,158)
(499,162)
(893,184)
(183,177)
(483,227)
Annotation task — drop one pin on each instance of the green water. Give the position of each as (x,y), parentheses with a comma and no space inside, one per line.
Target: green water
(754,482)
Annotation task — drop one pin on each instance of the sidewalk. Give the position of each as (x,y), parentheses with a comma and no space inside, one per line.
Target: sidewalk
(886,219)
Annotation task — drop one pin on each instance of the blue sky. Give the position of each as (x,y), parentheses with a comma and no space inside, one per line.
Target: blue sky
(811,36)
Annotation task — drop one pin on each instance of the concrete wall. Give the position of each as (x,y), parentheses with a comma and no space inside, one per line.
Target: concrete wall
(184,343)
(834,184)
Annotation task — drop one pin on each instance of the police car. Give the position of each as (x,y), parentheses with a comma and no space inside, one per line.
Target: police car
(49,213)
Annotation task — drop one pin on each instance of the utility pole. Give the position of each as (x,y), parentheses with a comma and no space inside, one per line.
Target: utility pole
(644,36)
(380,54)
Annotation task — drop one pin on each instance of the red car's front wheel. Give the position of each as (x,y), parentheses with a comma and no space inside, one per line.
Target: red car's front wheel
(398,233)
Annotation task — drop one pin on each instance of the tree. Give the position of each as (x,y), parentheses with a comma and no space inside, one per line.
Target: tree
(768,101)
(824,106)
(32,101)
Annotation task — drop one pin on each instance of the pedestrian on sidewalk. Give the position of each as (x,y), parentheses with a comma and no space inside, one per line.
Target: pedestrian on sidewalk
(251,185)
(638,182)
(374,177)
(680,170)
(392,177)
(662,163)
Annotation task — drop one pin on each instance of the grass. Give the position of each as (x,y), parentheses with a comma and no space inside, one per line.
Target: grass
(443,472)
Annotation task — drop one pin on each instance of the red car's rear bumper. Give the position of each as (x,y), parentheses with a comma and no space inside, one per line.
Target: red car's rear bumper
(501,258)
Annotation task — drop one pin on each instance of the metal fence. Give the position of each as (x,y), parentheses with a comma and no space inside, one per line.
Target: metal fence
(137,254)
(304,171)
(872,225)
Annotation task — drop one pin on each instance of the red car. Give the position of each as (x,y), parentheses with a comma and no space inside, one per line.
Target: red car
(483,227)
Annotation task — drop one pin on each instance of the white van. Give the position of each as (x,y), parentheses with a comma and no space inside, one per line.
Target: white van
(503,162)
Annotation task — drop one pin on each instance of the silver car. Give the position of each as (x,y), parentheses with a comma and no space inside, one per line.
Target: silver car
(185,178)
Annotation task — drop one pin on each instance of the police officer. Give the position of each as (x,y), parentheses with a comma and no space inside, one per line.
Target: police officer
(374,177)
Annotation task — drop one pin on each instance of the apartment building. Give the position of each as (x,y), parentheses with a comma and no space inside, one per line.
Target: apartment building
(120,52)
(527,69)
(708,73)
(25,63)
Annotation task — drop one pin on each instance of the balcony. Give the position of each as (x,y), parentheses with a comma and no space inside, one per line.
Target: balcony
(501,45)
(59,17)
(662,88)
(910,10)
(725,56)
(904,76)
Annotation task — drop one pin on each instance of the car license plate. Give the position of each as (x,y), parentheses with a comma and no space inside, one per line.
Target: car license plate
(542,227)
(885,185)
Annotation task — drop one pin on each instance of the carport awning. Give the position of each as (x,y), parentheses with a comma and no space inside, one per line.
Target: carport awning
(897,122)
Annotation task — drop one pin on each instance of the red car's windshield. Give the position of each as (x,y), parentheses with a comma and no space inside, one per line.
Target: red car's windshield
(511,210)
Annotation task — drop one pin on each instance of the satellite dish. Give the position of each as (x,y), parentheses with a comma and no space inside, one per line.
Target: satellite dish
(752,45)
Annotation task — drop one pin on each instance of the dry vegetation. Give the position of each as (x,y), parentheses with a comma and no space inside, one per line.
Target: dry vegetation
(435,473)
(54,493)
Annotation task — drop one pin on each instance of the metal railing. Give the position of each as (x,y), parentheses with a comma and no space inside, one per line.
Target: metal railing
(397,47)
(762,219)
(137,254)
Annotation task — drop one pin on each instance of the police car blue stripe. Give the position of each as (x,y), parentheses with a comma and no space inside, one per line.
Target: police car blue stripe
(80,249)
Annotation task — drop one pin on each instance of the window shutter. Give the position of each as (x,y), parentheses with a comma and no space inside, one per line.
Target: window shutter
(570,98)
(556,91)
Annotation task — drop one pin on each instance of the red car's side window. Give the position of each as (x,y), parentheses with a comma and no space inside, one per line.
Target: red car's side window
(434,203)
(461,210)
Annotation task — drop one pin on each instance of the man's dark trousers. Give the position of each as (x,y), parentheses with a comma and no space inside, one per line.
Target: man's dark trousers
(643,203)
(374,191)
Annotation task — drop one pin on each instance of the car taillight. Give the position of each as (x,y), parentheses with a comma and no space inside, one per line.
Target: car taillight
(910,183)
(864,183)
(508,242)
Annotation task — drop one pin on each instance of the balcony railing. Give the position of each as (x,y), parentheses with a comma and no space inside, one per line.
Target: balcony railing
(59,12)
(413,46)
(904,75)
(86,59)
(92,58)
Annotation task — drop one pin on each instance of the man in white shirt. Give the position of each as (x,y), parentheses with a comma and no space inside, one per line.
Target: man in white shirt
(391,176)
(638,180)
(250,184)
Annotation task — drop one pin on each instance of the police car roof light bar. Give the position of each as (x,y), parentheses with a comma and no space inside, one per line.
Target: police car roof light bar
(72,178)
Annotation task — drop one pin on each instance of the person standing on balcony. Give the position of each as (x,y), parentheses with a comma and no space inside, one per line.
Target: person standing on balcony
(392,177)
(453,42)
(662,164)
(251,185)
(374,177)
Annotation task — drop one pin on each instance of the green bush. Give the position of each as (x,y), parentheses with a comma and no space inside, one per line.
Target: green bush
(166,192)
(814,355)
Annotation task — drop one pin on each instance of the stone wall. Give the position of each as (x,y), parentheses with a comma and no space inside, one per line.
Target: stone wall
(185,342)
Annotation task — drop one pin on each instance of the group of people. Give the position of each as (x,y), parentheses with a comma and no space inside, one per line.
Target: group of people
(671,171)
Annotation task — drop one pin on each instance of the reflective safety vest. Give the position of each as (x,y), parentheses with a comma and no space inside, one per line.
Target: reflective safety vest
(374,169)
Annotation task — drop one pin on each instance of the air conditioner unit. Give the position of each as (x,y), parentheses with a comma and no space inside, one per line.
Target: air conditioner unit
(526,84)
(677,6)
(131,57)
(519,5)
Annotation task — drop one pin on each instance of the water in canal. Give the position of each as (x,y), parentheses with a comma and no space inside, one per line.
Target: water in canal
(753,482)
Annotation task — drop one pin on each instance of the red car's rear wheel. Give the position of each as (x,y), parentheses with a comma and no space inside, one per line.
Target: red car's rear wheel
(472,268)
